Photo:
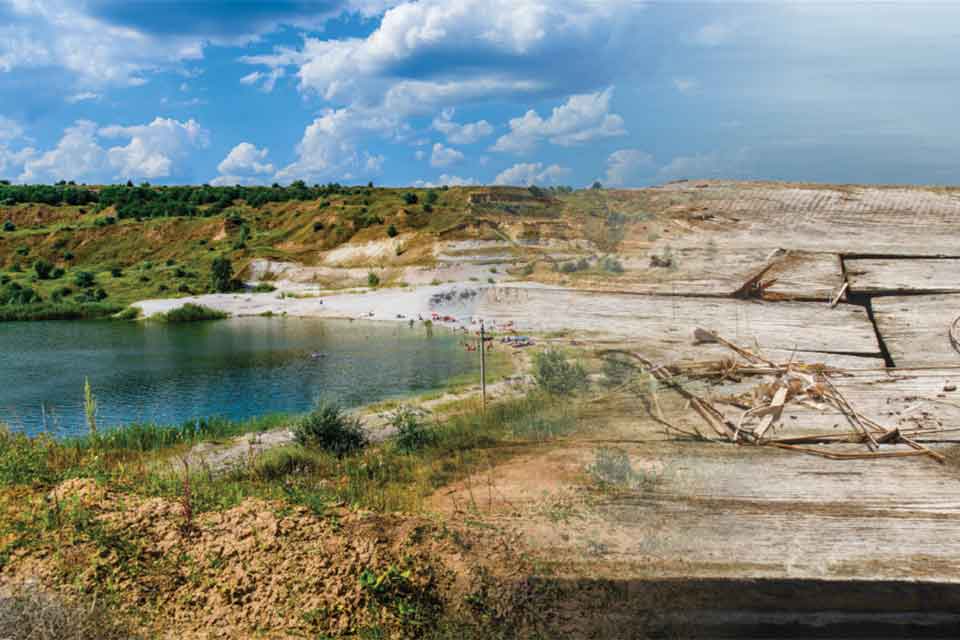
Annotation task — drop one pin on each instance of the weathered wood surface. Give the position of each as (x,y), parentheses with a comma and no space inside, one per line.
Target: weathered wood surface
(804,276)
(890,275)
(724,510)
(896,221)
(907,399)
(664,326)
(775,513)
(916,328)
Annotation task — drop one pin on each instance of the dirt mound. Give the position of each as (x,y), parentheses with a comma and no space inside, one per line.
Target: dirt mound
(271,567)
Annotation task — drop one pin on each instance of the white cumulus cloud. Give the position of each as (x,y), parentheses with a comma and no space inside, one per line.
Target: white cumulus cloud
(245,164)
(328,150)
(461,133)
(627,166)
(153,150)
(442,156)
(526,174)
(447,181)
(580,119)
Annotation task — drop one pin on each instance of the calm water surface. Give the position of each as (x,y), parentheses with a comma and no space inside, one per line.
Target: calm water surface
(236,368)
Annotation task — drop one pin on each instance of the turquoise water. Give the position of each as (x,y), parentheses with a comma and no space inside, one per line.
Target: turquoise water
(238,368)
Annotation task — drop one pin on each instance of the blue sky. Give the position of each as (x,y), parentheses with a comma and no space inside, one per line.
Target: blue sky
(627,92)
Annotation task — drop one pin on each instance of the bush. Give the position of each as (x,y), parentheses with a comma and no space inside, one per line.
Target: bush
(392,231)
(84,279)
(14,294)
(410,198)
(317,226)
(330,428)
(373,279)
(221,274)
(116,272)
(43,269)
(192,313)
(432,196)
(9,226)
(557,376)
(264,287)
(611,265)
(130,313)
(412,433)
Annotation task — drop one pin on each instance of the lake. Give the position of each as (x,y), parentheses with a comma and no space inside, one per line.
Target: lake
(238,368)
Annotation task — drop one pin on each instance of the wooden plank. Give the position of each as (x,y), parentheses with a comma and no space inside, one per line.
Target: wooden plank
(664,326)
(916,328)
(804,276)
(891,275)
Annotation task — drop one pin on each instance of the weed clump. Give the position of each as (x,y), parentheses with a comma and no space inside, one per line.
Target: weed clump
(192,313)
(413,434)
(330,428)
(610,264)
(556,375)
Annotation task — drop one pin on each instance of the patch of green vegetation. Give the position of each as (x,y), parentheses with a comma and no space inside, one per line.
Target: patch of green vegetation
(191,313)
(58,311)
(556,375)
(331,429)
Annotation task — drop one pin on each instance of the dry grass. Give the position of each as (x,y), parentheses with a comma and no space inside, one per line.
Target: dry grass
(31,614)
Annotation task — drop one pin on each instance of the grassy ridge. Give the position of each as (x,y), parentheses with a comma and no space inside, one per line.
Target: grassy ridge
(58,311)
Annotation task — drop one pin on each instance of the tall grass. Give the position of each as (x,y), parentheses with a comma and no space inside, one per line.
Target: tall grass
(42,460)
(145,437)
(58,311)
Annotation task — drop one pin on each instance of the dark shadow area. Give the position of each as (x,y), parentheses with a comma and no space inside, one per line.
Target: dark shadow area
(766,608)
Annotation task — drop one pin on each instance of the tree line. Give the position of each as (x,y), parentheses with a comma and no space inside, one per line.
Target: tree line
(147,201)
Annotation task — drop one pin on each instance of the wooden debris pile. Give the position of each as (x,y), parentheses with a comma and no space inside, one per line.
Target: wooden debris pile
(755,416)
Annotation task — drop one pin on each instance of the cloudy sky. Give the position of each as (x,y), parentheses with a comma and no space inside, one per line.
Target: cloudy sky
(478,91)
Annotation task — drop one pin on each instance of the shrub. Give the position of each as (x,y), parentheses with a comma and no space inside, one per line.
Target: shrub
(84,279)
(317,226)
(264,287)
(556,375)
(15,294)
(611,265)
(116,272)
(617,372)
(43,269)
(410,198)
(392,231)
(57,273)
(9,226)
(373,279)
(130,313)
(412,433)
(193,313)
(221,274)
(432,196)
(68,255)
(330,428)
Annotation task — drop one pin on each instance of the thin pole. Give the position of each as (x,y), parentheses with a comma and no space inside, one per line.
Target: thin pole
(483,367)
